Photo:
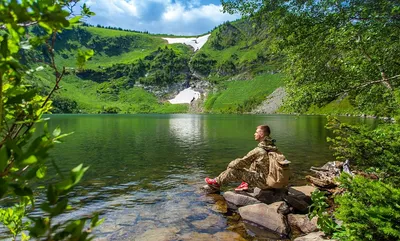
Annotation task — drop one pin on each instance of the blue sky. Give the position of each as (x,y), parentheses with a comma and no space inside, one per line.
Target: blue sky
(179,17)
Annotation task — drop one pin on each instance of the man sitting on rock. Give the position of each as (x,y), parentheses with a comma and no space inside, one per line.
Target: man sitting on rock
(263,167)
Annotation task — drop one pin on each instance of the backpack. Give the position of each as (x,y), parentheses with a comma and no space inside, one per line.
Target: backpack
(278,176)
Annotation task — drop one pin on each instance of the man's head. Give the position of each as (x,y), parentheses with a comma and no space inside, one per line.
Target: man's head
(261,132)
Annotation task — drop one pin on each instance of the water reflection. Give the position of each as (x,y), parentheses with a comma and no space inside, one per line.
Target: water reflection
(146,170)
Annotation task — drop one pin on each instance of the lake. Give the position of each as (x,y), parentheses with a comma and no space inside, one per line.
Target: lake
(146,170)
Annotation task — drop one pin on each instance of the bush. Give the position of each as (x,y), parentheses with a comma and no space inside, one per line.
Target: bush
(372,150)
(369,210)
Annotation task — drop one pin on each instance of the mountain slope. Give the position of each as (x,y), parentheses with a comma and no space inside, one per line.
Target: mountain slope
(135,72)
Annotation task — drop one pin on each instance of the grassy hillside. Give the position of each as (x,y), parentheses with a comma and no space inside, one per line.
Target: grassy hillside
(106,84)
(124,60)
(242,96)
(235,48)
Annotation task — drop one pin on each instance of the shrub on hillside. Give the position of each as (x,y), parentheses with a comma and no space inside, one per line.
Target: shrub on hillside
(202,63)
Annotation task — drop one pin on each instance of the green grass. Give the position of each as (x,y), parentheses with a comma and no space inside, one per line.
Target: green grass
(242,96)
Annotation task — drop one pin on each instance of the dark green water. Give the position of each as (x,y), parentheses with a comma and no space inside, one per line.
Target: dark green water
(146,170)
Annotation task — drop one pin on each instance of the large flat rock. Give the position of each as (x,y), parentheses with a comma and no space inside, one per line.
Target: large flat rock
(266,216)
(305,190)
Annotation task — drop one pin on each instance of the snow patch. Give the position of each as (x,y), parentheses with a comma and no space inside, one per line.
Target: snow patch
(185,96)
(196,43)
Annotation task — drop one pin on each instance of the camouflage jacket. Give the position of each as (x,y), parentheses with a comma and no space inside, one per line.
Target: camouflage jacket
(256,160)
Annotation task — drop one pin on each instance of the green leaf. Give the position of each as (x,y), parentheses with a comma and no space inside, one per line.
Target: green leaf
(22,191)
(57,132)
(4,46)
(40,227)
(75,20)
(41,172)
(77,173)
(95,221)
(52,194)
(44,25)
(30,160)
(59,208)
(31,173)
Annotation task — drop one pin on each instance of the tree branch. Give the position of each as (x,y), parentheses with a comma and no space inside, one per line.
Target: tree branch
(368,84)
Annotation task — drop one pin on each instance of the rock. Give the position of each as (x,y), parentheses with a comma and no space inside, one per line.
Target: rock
(297,203)
(220,236)
(228,236)
(280,207)
(260,232)
(269,196)
(305,190)
(161,234)
(302,192)
(196,237)
(220,206)
(317,236)
(211,222)
(209,190)
(239,200)
(303,223)
(272,102)
(266,216)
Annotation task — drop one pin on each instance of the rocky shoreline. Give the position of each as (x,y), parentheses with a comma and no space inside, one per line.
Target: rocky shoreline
(282,214)
(279,214)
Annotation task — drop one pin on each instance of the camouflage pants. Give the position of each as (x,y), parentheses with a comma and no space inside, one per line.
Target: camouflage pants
(254,179)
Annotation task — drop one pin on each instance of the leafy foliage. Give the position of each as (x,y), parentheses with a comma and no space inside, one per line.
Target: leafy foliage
(374,150)
(318,209)
(369,210)
(24,152)
(202,63)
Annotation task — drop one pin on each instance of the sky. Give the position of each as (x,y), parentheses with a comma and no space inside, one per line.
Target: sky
(178,17)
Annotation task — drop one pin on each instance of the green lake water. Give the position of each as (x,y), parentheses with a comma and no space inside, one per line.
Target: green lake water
(146,170)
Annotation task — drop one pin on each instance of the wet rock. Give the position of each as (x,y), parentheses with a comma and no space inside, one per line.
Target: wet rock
(266,216)
(209,190)
(302,223)
(317,236)
(211,222)
(239,200)
(227,236)
(220,206)
(220,236)
(196,237)
(269,196)
(298,203)
(144,226)
(161,234)
(262,233)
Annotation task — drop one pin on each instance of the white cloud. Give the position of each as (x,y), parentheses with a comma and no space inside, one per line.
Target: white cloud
(159,16)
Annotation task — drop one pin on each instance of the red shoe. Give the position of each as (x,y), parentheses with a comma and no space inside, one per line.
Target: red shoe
(211,182)
(242,187)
